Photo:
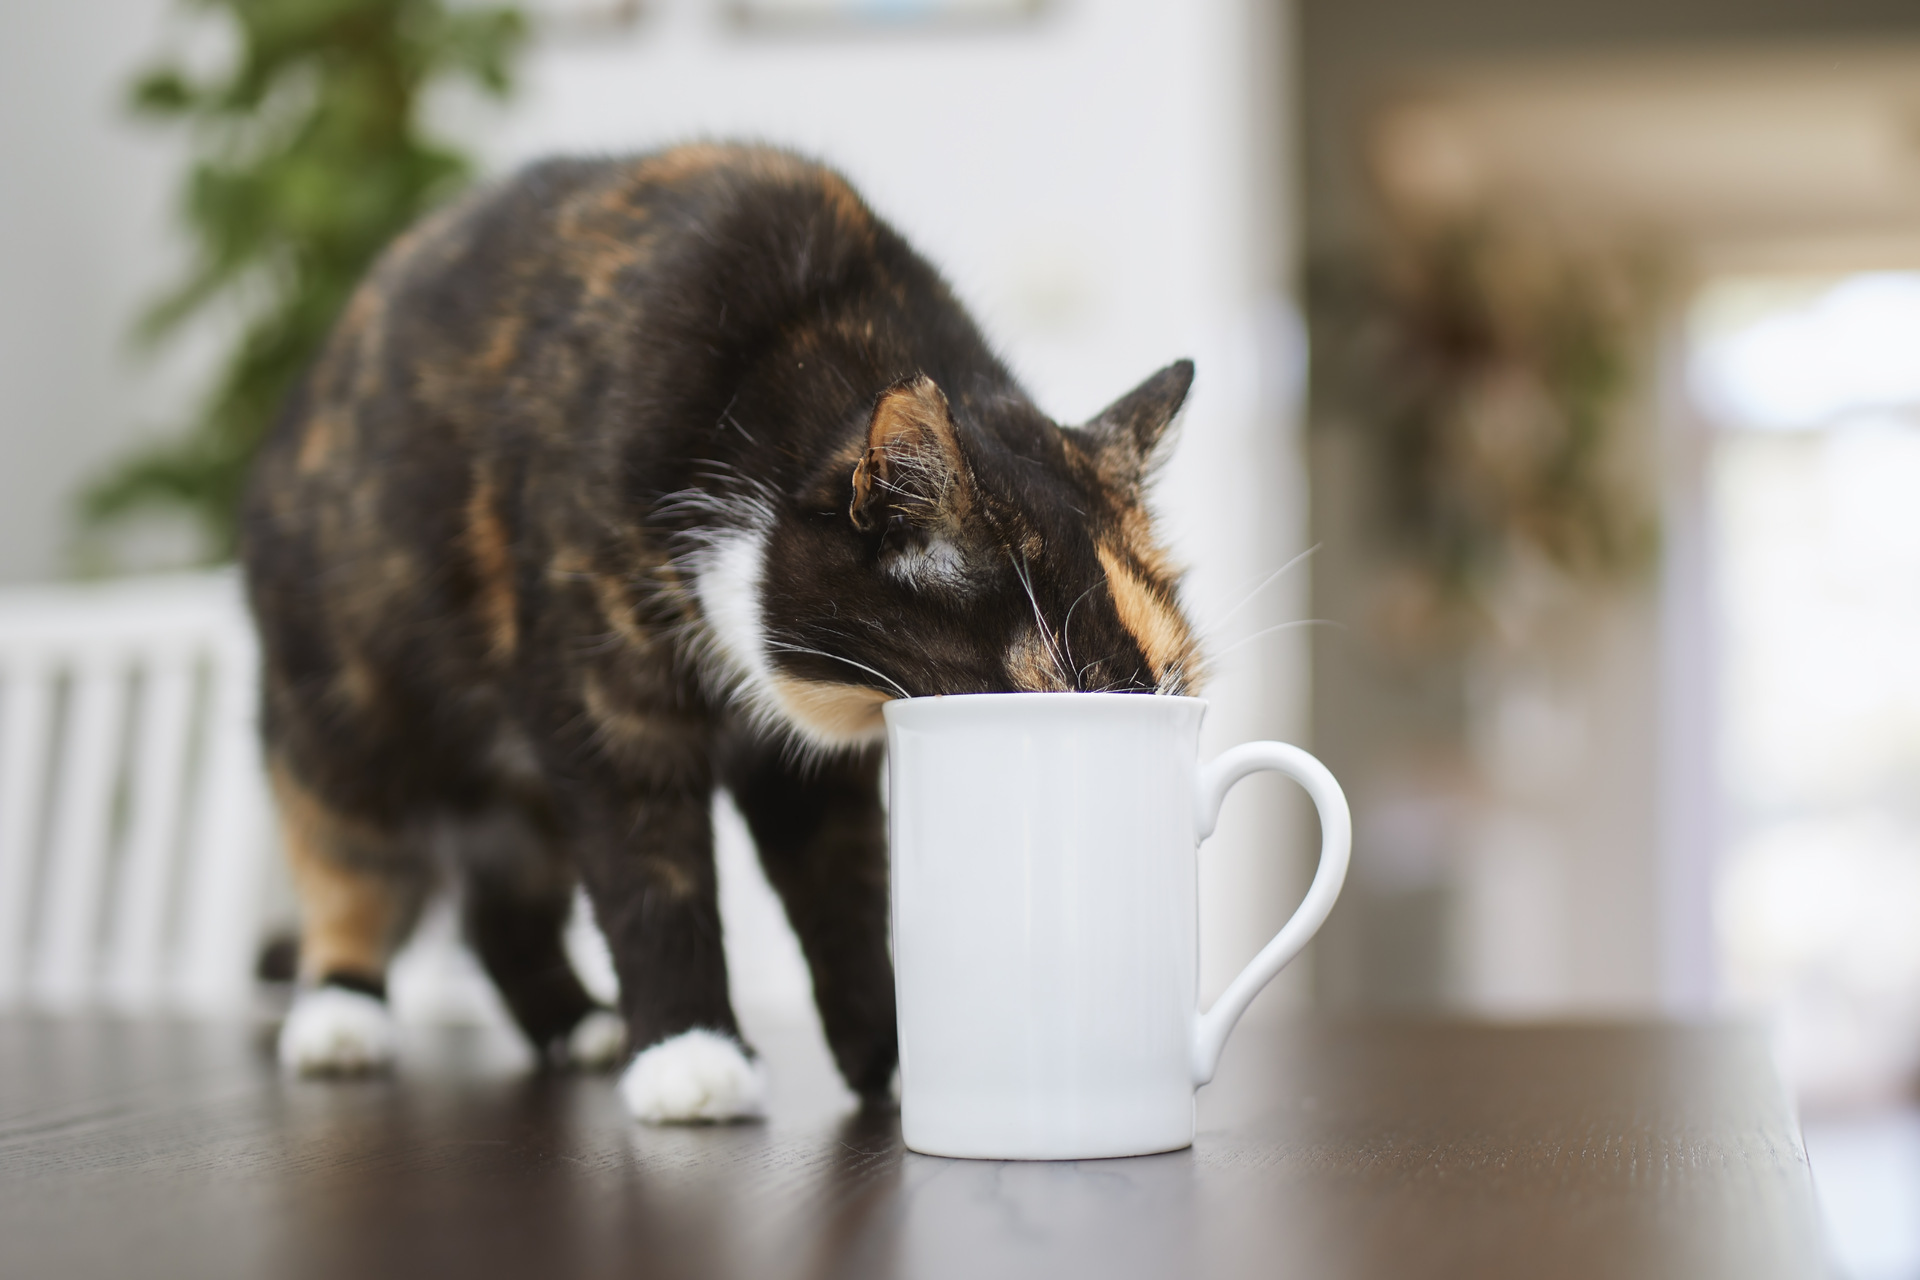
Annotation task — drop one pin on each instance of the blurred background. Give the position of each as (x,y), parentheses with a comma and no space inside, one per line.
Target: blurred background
(1580,343)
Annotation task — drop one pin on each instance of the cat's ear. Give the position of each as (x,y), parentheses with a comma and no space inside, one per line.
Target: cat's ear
(1129,430)
(912,463)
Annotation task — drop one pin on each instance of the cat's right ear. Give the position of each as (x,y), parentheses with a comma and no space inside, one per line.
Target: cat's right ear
(912,465)
(1128,432)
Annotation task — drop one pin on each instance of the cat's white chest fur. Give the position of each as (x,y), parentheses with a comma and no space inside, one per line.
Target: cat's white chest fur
(728,587)
(821,713)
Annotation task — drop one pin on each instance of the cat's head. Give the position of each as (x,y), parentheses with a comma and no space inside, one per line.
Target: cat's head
(963,546)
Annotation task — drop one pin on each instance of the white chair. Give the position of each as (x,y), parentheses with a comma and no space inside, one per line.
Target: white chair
(133,806)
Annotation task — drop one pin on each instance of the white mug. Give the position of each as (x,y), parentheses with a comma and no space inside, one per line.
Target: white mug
(1046,918)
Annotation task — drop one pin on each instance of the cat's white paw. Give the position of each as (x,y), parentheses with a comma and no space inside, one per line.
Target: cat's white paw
(598,1042)
(333,1031)
(696,1076)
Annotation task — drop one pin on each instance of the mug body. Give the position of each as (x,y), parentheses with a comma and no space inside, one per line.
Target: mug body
(1045,922)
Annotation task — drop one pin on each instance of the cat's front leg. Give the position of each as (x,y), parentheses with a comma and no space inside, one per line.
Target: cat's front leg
(822,837)
(649,870)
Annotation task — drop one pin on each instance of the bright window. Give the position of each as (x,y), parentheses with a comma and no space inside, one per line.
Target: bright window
(1813,390)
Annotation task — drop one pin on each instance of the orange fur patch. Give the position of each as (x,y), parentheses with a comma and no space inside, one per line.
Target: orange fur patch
(503,343)
(846,206)
(1148,612)
(356,683)
(363,331)
(621,723)
(913,453)
(621,611)
(676,164)
(321,439)
(1033,666)
(487,543)
(350,916)
(652,741)
(842,712)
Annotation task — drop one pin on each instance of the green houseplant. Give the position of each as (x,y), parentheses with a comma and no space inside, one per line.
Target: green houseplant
(310,155)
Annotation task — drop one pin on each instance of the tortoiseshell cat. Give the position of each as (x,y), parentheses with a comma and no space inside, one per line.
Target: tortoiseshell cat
(629,479)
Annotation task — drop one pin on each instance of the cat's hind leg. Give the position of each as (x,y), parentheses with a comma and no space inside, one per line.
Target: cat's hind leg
(361,887)
(822,837)
(519,893)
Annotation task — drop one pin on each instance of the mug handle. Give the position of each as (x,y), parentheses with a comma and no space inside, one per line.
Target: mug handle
(1336,843)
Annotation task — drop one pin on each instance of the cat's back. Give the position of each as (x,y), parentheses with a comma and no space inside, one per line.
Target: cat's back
(603,250)
(541,307)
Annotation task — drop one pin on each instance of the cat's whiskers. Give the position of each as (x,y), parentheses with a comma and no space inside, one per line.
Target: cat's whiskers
(1061,671)
(593,646)
(822,653)
(834,369)
(752,501)
(1066,628)
(1173,681)
(1081,675)
(726,419)
(1219,624)
(1285,626)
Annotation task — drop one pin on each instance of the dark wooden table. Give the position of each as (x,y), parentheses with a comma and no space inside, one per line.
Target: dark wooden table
(1405,1150)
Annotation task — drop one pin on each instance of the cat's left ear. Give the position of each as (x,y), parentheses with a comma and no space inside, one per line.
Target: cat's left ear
(1129,430)
(912,465)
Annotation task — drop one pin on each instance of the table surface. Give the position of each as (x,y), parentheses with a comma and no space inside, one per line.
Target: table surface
(1325,1150)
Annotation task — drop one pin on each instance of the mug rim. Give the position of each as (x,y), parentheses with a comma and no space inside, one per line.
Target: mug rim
(1162,701)
(1077,695)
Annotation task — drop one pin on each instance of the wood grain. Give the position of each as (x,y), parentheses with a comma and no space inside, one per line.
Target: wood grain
(1326,1150)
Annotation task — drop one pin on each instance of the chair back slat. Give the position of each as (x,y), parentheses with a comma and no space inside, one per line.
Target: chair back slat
(26,720)
(82,816)
(157,781)
(230,822)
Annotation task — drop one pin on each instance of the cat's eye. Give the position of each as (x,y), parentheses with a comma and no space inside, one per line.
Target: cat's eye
(897,524)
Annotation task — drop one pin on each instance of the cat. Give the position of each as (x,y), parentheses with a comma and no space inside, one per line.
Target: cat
(623,480)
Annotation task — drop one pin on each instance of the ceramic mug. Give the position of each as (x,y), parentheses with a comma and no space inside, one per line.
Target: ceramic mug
(1046,921)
